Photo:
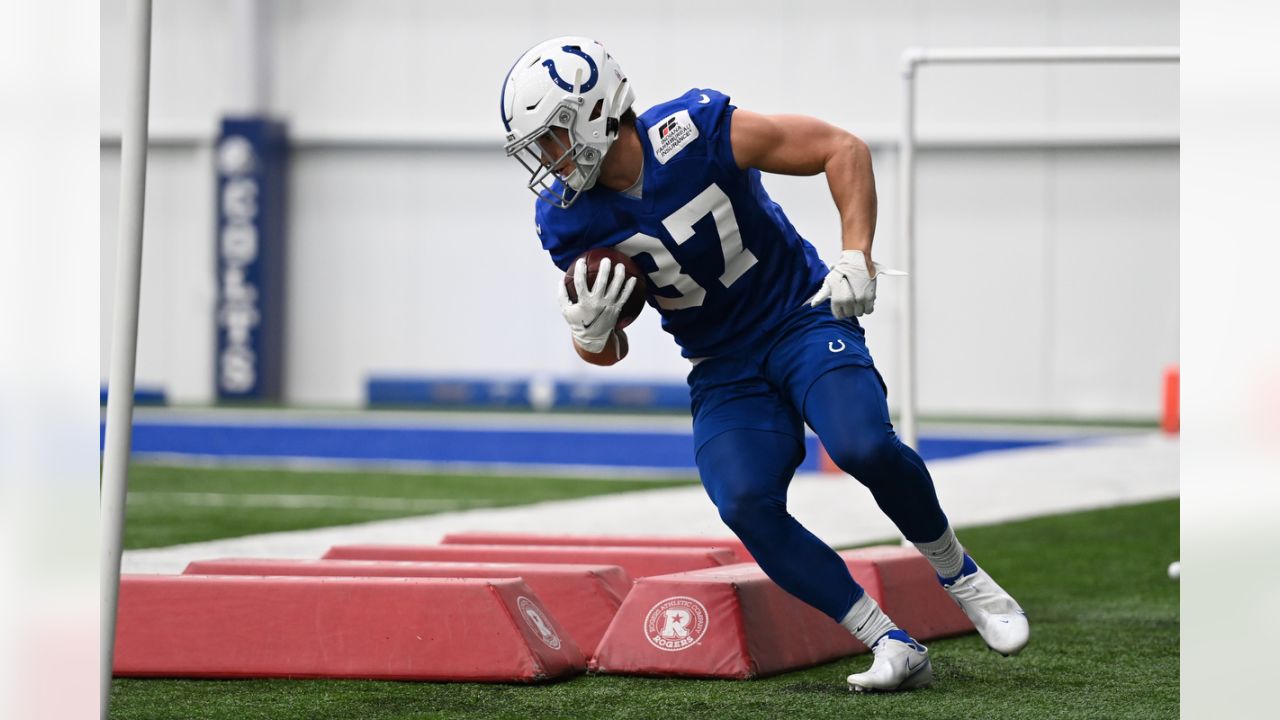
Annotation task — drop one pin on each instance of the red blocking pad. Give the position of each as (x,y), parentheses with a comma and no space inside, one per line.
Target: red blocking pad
(905,585)
(730,622)
(510,538)
(734,622)
(582,598)
(637,562)
(338,627)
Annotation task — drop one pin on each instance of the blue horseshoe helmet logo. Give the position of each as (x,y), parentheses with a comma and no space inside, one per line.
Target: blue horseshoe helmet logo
(550,65)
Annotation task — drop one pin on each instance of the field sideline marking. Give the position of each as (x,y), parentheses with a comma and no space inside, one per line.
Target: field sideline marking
(976,490)
(604,473)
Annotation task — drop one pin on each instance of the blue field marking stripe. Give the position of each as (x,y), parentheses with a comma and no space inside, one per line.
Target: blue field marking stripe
(632,449)
(942,448)
(505,446)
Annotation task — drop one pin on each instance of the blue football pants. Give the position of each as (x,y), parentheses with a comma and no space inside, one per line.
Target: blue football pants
(747,471)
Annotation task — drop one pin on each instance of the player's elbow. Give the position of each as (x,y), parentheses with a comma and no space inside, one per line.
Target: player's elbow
(848,158)
(848,147)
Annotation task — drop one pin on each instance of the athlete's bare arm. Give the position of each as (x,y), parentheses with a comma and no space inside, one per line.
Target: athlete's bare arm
(800,145)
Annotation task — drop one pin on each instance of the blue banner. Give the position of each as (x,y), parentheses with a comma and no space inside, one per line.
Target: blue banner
(252,159)
(447,392)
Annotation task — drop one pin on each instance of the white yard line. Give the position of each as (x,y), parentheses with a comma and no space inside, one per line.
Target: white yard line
(295,502)
(416,467)
(979,489)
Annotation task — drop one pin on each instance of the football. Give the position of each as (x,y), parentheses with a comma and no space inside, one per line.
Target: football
(635,303)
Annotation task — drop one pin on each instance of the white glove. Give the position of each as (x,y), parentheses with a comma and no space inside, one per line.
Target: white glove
(593,317)
(851,289)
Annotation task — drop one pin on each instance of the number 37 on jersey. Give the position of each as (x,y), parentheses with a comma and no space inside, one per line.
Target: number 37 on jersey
(669,274)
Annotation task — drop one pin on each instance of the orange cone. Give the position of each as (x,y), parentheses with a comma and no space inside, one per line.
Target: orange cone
(1170,419)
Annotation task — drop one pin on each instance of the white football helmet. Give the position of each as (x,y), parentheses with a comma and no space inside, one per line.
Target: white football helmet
(566,82)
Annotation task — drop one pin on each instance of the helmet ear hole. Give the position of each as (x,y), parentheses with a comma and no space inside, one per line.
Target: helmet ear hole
(595,111)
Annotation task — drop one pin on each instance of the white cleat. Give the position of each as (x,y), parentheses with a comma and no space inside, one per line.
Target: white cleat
(900,664)
(997,616)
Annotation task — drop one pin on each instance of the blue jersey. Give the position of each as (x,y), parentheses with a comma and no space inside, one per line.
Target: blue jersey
(724,264)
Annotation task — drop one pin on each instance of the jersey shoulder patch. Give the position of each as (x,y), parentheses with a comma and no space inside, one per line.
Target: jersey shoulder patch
(671,135)
(677,124)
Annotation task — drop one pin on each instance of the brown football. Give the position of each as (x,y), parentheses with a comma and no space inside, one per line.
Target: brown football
(631,309)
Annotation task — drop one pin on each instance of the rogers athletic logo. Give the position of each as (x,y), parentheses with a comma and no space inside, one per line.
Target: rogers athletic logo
(676,624)
(538,622)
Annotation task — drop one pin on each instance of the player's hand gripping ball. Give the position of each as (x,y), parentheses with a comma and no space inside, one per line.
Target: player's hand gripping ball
(632,306)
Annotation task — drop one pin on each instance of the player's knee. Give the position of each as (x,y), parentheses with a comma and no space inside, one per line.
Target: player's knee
(749,511)
(863,454)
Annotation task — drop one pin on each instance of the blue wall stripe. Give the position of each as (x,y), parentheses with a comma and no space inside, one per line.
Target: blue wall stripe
(460,392)
(401,391)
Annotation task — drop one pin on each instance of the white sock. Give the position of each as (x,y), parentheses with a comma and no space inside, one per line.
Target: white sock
(867,621)
(945,554)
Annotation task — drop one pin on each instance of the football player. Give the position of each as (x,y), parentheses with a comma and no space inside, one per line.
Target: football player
(769,330)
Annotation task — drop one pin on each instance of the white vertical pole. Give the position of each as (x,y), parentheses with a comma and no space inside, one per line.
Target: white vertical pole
(250,58)
(907,427)
(912,59)
(124,331)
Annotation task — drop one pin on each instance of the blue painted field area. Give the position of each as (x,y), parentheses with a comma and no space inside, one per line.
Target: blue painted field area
(480,446)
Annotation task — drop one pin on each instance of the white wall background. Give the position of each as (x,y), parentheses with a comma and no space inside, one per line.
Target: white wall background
(1048,197)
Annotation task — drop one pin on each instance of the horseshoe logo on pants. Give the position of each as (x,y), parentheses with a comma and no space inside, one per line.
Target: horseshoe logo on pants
(832,346)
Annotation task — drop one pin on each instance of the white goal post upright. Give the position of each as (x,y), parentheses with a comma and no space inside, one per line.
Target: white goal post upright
(912,59)
(124,331)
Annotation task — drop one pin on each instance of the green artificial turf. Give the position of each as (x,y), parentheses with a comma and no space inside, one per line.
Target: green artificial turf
(1104,620)
(172,505)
